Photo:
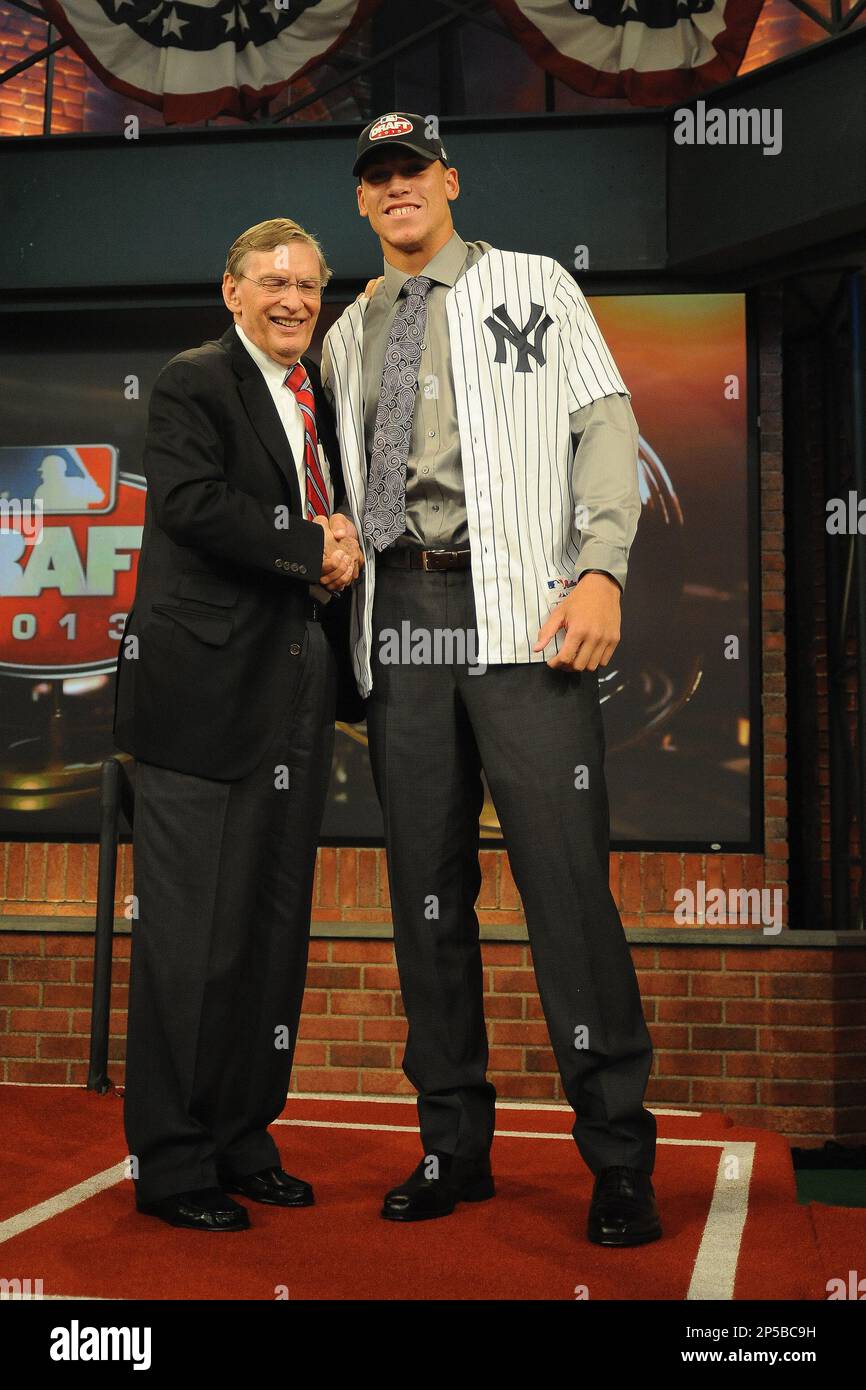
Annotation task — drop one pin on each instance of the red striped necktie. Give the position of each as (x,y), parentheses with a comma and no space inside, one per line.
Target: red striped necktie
(317,493)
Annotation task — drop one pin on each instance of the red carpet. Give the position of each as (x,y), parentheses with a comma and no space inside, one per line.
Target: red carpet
(733,1227)
(840,1235)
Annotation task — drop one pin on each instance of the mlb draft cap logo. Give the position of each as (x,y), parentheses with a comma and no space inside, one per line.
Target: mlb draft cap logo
(389,127)
(400,128)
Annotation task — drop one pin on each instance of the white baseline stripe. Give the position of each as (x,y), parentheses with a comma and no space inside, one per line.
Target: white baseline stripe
(60,1298)
(63,1201)
(716,1264)
(80,1298)
(46,1085)
(410,1100)
(373,1100)
(500,1133)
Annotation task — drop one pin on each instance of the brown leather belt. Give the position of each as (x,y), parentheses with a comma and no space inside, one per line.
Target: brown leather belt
(409,557)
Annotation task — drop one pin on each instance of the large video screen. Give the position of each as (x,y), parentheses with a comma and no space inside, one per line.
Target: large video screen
(679,696)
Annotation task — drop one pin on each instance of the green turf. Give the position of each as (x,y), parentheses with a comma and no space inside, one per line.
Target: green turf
(835,1187)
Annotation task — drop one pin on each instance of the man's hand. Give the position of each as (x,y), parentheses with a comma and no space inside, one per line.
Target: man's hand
(370,288)
(338,567)
(591,617)
(344,531)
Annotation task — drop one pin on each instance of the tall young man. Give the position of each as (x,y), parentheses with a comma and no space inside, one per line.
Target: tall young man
(490,459)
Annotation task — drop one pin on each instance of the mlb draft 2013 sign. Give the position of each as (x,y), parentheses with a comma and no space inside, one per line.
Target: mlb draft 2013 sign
(70,532)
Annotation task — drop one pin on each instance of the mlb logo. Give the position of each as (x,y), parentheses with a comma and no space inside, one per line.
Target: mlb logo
(59,479)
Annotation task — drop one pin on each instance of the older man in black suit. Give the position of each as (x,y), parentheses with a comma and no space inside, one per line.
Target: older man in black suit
(231,664)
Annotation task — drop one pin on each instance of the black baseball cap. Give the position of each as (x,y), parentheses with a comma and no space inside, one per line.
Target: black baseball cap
(399,128)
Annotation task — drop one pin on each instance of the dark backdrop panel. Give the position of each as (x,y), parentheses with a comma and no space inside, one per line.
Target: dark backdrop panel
(730,205)
(681,718)
(105,212)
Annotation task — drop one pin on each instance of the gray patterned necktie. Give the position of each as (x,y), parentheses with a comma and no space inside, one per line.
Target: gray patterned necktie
(385,509)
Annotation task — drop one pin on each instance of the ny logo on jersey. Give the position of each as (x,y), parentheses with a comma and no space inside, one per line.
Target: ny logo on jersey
(506,331)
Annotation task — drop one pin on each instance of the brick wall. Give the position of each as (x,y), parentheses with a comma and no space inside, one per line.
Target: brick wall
(59,880)
(772,1035)
(781,29)
(21,99)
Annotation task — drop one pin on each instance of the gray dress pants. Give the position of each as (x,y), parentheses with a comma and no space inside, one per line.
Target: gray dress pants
(432,727)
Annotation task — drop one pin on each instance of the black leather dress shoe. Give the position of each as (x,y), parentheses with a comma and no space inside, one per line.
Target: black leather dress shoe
(423,1197)
(623,1210)
(205,1209)
(273,1187)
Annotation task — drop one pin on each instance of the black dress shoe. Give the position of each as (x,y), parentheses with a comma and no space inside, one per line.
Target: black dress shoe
(623,1210)
(273,1187)
(421,1198)
(204,1209)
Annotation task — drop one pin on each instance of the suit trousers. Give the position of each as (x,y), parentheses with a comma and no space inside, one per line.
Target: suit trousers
(224,878)
(433,725)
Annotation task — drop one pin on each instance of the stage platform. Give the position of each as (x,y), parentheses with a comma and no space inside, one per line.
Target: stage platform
(734,1229)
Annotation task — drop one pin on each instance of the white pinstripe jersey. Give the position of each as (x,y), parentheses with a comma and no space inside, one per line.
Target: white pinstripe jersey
(526,351)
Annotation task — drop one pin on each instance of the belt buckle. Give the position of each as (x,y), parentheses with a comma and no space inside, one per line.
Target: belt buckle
(436,554)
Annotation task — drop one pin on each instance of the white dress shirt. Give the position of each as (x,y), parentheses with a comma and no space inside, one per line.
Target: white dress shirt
(289,412)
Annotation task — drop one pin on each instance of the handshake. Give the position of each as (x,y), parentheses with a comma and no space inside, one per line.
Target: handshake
(343,558)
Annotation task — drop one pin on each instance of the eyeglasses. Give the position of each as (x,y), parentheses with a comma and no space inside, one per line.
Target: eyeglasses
(307,289)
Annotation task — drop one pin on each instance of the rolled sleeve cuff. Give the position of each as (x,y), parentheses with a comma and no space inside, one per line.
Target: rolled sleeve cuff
(597,555)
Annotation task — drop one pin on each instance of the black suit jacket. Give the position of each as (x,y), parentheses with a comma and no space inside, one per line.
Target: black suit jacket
(210,658)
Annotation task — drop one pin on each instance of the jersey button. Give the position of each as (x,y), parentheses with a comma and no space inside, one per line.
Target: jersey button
(295,649)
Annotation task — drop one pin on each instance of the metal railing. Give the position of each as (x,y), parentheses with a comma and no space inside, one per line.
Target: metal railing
(116,798)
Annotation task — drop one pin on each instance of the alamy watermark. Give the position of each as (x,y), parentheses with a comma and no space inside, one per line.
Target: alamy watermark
(737,126)
(77,1343)
(23,517)
(437,646)
(737,906)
